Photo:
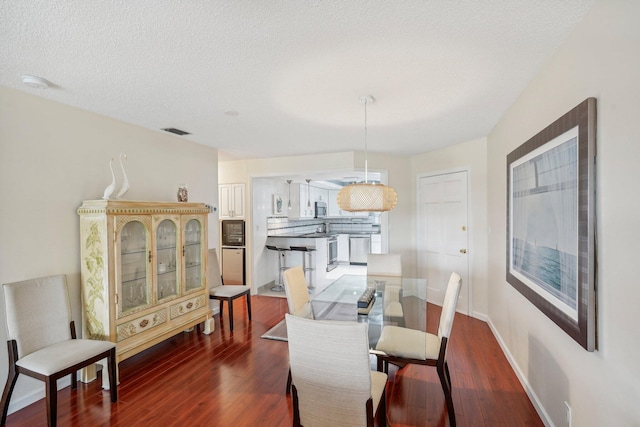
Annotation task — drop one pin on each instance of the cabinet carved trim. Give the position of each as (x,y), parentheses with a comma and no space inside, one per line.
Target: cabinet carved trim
(187,306)
(141,324)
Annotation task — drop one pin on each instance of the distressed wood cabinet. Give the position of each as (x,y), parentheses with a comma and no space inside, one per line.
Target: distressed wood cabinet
(143,271)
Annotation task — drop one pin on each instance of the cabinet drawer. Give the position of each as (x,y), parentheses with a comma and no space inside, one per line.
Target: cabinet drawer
(187,306)
(141,324)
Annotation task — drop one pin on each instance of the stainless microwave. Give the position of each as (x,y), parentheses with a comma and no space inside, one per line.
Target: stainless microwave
(321,210)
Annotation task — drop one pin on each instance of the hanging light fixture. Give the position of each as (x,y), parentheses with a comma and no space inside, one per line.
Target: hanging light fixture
(308,194)
(289,182)
(366,196)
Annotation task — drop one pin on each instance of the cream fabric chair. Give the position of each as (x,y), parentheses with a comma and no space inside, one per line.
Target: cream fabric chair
(42,340)
(295,287)
(387,267)
(401,346)
(333,384)
(221,292)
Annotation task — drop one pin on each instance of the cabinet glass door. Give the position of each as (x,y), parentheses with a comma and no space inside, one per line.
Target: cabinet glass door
(134,292)
(193,233)
(166,256)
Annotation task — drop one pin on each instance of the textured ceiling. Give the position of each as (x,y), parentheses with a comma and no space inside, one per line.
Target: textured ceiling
(265,78)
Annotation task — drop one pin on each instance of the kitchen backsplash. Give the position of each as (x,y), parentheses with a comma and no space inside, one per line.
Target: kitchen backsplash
(277,226)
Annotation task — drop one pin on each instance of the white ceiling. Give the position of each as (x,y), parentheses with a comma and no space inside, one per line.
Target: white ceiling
(442,72)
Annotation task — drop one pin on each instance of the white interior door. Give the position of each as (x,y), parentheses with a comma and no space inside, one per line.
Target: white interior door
(442,234)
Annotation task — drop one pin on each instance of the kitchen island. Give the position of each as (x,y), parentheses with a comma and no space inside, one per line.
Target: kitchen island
(316,259)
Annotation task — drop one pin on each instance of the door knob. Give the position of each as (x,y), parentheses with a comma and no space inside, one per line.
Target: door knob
(463,251)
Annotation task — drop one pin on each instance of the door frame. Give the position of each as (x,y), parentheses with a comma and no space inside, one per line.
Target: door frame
(419,226)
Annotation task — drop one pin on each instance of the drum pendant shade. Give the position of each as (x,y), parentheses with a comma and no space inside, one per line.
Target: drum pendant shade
(366,196)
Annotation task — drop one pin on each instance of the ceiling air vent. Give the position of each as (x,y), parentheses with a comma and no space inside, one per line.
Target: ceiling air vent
(177,131)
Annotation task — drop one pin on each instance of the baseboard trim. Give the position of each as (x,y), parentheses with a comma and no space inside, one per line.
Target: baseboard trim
(521,377)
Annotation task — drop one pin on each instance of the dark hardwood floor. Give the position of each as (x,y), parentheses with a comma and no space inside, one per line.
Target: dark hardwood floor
(238,379)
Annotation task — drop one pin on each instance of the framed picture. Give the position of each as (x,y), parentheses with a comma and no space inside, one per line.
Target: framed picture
(551,244)
(278,205)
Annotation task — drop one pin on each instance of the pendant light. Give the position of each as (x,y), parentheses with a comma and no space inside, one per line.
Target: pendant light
(366,196)
(308,194)
(289,182)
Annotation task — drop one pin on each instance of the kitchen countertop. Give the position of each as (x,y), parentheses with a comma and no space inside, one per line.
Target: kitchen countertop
(306,236)
(320,235)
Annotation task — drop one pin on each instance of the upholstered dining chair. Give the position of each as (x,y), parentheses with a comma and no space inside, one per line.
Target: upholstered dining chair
(297,292)
(333,384)
(386,268)
(295,287)
(221,292)
(401,346)
(42,340)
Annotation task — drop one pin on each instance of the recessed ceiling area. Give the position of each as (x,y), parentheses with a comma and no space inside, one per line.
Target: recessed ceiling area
(259,79)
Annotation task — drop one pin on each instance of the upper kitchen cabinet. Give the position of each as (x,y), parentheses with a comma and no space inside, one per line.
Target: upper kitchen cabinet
(231,201)
(302,206)
(332,203)
(319,194)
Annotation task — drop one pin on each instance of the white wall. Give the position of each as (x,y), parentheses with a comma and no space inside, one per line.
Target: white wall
(601,59)
(472,156)
(52,157)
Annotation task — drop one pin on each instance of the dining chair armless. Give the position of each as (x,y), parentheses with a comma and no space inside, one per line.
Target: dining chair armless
(333,384)
(221,292)
(295,287)
(401,346)
(42,343)
(387,267)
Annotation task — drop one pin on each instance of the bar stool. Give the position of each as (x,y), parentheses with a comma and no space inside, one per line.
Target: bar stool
(306,251)
(281,266)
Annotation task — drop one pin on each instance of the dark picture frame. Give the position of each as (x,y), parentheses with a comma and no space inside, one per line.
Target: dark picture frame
(551,246)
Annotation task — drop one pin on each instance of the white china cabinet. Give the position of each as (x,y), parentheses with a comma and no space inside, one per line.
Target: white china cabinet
(143,271)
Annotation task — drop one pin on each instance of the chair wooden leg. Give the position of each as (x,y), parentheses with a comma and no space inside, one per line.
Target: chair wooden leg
(296,410)
(12,377)
(441,368)
(113,375)
(249,305)
(382,410)
(230,304)
(51,390)
(74,380)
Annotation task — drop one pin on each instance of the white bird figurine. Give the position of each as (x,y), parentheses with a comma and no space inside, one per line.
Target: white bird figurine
(108,192)
(125,184)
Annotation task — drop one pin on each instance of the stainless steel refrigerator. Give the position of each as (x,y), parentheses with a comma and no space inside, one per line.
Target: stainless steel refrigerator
(233,266)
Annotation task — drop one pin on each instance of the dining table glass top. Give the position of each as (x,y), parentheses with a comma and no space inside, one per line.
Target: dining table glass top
(399,301)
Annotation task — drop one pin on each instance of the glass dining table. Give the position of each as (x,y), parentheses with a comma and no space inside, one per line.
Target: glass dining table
(398,301)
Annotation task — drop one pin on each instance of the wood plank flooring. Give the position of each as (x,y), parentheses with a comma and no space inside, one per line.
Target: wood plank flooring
(238,379)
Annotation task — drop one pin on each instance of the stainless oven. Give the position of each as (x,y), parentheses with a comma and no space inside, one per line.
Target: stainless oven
(332,253)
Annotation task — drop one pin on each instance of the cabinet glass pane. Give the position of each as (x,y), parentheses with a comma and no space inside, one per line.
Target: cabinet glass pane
(133,263)
(193,255)
(166,249)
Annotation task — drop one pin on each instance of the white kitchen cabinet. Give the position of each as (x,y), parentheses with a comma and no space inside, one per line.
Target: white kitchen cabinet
(376,244)
(332,203)
(343,248)
(301,204)
(231,200)
(143,271)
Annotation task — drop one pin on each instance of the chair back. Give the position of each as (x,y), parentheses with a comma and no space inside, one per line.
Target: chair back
(38,312)
(330,370)
(384,265)
(295,287)
(449,306)
(213,276)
